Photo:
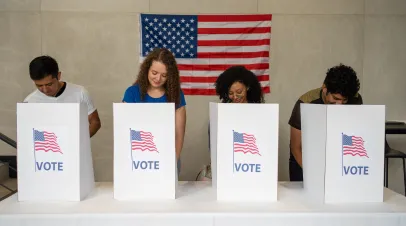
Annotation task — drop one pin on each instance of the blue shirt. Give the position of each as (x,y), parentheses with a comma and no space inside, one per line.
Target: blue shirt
(133,95)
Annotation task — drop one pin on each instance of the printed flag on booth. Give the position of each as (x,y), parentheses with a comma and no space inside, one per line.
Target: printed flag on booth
(142,141)
(206,45)
(46,141)
(353,146)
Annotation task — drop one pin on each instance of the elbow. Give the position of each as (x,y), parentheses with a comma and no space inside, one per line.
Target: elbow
(98,125)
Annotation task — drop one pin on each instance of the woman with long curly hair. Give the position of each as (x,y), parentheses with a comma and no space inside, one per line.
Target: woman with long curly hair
(235,85)
(158,82)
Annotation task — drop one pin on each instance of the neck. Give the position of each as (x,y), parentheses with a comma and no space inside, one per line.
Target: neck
(60,84)
(154,89)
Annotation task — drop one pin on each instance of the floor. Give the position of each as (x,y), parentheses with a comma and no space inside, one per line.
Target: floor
(10,183)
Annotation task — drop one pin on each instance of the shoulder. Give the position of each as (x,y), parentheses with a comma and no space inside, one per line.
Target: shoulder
(133,89)
(357,99)
(74,88)
(310,96)
(182,99)
(182,95)
(32,97)
(79,91)
(132,94)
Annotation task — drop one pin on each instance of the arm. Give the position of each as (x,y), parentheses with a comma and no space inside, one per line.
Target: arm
(296,133)
(94,123)
(93,115)
(296,144)
(180,124)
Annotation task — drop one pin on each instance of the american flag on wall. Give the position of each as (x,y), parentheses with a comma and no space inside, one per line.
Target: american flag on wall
(206,45)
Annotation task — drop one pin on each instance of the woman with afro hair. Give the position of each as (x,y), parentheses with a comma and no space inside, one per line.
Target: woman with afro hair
(239,85)
(235,85)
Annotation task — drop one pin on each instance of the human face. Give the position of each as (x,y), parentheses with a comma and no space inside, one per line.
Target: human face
(238,93)
(157,74)
(333,98)
(48,85)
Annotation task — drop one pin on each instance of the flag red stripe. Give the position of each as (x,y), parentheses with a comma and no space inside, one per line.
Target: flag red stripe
(203,79)
(232,54)
(243,30)
(143,145)
(354,154)
(258,42)
(210,92)
(218,67)
(233,18)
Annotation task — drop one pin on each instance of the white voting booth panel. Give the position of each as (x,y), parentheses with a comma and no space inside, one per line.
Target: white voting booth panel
(343,152)
(54,156)
(144,151)
(244,151)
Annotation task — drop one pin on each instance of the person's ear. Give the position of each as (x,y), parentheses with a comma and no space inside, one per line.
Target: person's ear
(59,76)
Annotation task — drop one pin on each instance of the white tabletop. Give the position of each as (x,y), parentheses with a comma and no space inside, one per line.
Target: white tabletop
(196,205)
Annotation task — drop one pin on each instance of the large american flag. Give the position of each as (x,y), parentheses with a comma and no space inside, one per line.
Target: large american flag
(245,143)
(142,141)
(46,141)
(354,145)
(206,45)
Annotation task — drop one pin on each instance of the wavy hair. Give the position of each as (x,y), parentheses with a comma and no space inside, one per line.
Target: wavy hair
(172,84)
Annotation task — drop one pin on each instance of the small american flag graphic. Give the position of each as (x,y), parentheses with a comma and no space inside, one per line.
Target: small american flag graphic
(206,45)
(142,141)
(46,141)
(354,145)
(245,143)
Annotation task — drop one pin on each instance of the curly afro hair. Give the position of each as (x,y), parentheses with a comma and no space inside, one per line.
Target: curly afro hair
(243,75)
(342,80)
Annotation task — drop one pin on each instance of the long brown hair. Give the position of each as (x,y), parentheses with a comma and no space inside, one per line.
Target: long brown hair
(172,84)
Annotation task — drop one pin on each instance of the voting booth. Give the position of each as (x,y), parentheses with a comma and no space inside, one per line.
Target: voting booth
(244,151)
(144,151)
(54,156)
(343,152)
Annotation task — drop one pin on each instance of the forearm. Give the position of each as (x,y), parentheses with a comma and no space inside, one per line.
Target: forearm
(178,144)
(180,126)
(297,154)
(93,128)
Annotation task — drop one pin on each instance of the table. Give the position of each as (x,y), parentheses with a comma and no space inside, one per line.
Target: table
(196,205)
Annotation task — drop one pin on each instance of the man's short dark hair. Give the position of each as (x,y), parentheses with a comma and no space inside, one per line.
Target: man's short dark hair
(43,66)
(342,80)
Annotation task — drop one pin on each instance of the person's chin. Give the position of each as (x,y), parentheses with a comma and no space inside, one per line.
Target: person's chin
(154,85)
(49,94)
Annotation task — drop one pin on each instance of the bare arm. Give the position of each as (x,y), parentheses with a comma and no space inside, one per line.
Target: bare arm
(180,124)
(296,144)
(94,123)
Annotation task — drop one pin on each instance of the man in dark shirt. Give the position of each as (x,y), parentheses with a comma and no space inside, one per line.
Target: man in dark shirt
(340,86)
